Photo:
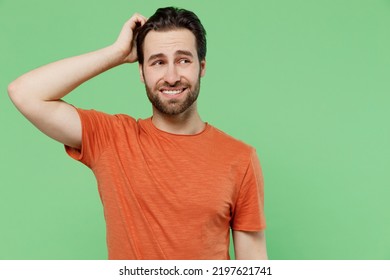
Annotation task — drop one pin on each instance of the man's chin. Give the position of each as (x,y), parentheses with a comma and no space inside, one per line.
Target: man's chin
(171,106)
(170,110)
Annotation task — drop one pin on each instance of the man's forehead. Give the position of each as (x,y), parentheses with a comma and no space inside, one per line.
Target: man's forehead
(170,41)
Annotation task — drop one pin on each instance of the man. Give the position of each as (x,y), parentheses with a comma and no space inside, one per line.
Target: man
(171,185)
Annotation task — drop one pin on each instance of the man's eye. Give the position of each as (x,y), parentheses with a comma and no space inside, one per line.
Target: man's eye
(184,61)
(158,62)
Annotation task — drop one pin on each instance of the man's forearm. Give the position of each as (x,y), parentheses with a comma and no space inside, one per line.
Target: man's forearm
(55,80)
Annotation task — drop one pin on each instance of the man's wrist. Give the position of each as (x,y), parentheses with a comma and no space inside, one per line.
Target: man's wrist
(116,55)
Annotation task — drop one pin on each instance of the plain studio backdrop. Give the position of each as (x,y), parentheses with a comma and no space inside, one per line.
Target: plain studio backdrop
(304,82)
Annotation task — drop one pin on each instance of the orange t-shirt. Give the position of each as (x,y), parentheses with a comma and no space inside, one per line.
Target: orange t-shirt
(168,196)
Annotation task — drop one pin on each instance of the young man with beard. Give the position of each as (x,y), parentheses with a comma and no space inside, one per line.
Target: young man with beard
(172,185)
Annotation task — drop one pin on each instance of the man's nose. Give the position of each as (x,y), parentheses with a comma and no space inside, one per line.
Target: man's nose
(171,75)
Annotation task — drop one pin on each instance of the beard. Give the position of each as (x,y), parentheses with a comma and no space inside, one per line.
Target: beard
(173,106)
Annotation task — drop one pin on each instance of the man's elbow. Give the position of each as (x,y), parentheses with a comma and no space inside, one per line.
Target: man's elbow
(20,97)
(14,93)
(12,89)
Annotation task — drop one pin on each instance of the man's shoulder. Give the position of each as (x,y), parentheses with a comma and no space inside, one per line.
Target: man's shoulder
(228,141)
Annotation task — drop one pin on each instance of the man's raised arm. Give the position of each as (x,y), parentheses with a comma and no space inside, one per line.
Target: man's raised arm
(37,94)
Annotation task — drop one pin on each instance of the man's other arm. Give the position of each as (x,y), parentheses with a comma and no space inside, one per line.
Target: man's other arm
(37,94)
(250,245)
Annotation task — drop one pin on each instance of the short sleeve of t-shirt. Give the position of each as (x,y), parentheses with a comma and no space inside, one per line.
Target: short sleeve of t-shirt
(249,209)
(97,133)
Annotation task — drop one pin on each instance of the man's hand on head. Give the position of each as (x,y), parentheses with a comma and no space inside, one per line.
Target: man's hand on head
(125,42)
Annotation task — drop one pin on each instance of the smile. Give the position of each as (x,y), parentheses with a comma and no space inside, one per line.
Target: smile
(173,91)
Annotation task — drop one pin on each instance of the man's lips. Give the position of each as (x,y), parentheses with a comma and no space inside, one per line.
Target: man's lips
(172,91)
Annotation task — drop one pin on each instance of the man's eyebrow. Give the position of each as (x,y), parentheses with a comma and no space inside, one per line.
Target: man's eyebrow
(155,56)
(178,52)
(182,52)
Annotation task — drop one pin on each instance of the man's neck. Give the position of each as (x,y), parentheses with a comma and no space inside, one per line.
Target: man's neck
(186,123)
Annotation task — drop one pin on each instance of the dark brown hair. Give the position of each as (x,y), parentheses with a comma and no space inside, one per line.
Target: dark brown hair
(165,19)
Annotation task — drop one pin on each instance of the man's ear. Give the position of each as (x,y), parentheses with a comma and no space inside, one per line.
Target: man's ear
(141,72)
(202,67)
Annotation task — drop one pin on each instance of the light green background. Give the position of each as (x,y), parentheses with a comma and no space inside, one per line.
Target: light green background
(305,82)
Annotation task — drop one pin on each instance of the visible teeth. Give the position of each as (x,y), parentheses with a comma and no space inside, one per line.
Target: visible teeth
(172,91)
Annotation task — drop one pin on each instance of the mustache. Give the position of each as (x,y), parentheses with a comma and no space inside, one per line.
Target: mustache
(175,85)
